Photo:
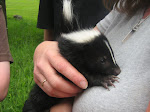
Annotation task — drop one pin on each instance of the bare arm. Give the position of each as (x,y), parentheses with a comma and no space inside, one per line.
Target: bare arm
(148,108)
(48,34)
(64,106)
(4,79)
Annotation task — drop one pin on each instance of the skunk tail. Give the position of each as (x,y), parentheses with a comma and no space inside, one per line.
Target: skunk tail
(70,21)
(68,10)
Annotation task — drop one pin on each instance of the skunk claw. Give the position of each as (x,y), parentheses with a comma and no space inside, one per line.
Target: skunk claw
(105,85)
(108,81)
(111,84)
(115,77)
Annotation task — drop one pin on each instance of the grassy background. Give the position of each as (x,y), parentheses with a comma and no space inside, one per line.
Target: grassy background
(23,39)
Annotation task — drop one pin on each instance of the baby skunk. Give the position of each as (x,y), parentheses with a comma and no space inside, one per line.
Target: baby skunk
(87,50)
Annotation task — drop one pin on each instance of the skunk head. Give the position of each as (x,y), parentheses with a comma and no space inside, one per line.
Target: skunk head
(101,57)
(91,52)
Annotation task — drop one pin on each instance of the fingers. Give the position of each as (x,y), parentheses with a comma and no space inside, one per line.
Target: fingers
(55,85)
(51,91)
(65,68)
(56,81)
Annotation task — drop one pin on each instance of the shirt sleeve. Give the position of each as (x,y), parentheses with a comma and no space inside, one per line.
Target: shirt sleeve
(4,47)
(104,24)
(46,15)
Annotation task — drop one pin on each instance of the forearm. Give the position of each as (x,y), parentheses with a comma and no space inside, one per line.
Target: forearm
(4,79)
(48,35)
(64,106)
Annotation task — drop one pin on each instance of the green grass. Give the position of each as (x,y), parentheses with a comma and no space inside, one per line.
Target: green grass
(26,8)
(23,39)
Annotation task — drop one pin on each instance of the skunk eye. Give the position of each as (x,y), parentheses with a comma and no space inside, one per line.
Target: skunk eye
(102,60)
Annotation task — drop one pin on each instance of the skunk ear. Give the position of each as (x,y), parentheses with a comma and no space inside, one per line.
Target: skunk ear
(82,36)
(67,10)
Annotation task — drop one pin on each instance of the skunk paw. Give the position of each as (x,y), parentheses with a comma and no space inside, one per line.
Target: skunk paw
(109,80)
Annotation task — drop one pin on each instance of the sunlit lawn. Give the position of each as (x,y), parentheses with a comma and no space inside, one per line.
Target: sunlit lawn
(23,39)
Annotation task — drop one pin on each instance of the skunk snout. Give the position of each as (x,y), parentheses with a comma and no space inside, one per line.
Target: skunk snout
(116,70)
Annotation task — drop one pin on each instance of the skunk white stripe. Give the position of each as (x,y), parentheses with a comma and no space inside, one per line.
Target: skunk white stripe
(110,52)
(67,10)
(82,36)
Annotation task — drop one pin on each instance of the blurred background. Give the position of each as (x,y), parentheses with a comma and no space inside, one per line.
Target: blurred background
(23,38)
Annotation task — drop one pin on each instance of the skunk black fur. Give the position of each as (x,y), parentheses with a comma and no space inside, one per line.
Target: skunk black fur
(93,57)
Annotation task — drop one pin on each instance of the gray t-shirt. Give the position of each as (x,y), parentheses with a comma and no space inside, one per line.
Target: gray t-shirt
(132,93)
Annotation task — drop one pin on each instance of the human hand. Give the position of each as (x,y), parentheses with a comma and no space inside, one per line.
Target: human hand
(47,60)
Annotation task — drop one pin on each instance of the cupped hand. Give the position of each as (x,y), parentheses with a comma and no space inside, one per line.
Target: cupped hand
(48,60)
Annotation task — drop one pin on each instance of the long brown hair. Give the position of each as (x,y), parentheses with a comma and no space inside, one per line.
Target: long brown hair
(129,7)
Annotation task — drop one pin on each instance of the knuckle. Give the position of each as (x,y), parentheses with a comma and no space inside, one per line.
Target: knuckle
(61,67)
(39,65)
(36,77)
(35,72)
(48,53)
(55,84)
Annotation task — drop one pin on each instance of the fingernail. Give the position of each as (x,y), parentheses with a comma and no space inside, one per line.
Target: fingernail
(83,85)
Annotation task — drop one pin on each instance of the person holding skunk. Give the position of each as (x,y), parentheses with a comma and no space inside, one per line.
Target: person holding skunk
(48,11)
(127,29)
(5,58)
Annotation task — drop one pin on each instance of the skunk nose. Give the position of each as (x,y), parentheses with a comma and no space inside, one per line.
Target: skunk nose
(117,71)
